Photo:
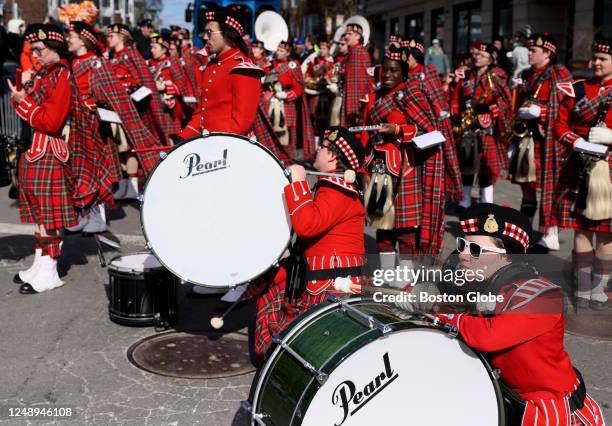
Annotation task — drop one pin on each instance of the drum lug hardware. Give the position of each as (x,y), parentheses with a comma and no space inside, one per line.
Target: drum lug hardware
(163,155)
(140,198)
(148,246)
(205,133)
(253,139)
(496,373)
(318,374)
(360,316)
(257,417)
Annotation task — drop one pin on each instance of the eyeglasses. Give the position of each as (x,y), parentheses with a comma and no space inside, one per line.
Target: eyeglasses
(209,33)
(38,50)
(329,147)
(475,249)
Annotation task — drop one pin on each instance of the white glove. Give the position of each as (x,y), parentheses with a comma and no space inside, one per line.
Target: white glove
(332,87)
(281,95)
(601,135)
(530,112)
(414,304)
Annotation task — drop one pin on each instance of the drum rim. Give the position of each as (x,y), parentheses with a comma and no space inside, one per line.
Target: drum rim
(336,358)
(142,203)
(122,269)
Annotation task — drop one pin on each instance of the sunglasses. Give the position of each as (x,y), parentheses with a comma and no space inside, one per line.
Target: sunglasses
(476,249)
(209,33)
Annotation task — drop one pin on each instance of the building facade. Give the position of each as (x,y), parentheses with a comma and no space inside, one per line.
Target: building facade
(456,23)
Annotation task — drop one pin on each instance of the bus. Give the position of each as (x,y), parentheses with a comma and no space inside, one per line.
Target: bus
(249,9)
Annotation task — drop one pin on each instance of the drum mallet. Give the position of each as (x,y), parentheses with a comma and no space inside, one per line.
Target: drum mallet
(349,176)
(217,322)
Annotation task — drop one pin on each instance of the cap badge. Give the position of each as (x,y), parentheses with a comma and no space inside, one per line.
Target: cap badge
(333,136)
(41,34)
(491,225)
(539,41)
(412,43)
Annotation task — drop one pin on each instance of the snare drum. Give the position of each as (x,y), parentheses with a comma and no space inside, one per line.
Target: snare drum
(142,292)
(214,211)
(356,362)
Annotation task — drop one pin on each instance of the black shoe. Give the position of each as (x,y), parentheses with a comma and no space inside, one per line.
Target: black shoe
(27,289)
(600,306)
(17,279)
(582,303)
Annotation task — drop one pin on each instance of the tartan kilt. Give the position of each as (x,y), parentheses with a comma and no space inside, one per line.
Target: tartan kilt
(564,198)
(274,314)
(491,159)
(45,192)
(407,203)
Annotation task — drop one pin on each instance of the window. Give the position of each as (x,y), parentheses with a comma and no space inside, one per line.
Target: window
(413,26)
(502,20)
(466,26)
(602,14)
(394,26)
(437,24)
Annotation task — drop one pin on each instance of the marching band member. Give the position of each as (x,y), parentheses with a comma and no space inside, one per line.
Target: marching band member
(357,91)
(44,170)
(522,334)
(259,56)
(412,216)
(336,85)
(94,158)
(131,69)
(539,98)
(585,115)
(427,79)
(330,230)
(229,86)
(291,94)
(166,83)
(482,98)
(318,75)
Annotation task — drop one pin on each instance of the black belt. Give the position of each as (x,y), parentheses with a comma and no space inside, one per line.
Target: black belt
(576,398)
(332,274)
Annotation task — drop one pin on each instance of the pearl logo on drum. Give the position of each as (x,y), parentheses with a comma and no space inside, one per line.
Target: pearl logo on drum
(196,167)
(351,401)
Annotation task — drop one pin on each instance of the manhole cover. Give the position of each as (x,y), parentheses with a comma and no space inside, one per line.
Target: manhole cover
(588,323)
(192,356)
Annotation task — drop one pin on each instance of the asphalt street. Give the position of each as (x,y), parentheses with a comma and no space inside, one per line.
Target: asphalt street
(59,348)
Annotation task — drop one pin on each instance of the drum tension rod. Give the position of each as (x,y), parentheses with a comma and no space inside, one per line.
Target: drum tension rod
(360,316)
(318,374)
(248,407)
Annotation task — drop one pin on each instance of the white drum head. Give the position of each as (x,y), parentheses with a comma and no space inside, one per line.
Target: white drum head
(136,262)
(214,211)
(429,379)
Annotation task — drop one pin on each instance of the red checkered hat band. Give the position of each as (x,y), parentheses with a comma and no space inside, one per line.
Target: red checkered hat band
(393,39)
(602,48)
(210,16)
(546,45)
(49,35)
(348,152)
(469,225)
(88,35)
(516,233)
(234,24)
(394,56)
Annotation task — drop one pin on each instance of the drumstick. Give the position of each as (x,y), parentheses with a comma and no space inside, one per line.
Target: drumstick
(357,129)
(217,322)
(348,175)
(374,289)
(153,149)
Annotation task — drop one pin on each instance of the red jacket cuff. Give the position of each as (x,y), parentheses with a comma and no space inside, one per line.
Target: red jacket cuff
(291,95)
(171,88)
(494,111)
(569,138)
(297,194)
(27,108)
(188,132)
(408,132)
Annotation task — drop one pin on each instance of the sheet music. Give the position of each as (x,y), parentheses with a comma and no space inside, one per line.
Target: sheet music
(591,148)
(429,139)
(108,116)
(141,93)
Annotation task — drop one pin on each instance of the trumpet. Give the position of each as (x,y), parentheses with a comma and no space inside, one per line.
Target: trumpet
(517,127)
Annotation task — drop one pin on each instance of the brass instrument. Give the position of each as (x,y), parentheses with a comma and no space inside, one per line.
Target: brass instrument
(468,117)
(517,127)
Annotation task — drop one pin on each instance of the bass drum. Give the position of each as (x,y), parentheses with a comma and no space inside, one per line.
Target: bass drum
(357,362)
(214,211)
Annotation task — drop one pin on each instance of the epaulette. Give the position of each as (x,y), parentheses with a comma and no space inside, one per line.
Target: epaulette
(339,182)
(567,87)
(528,291)
(248,67)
